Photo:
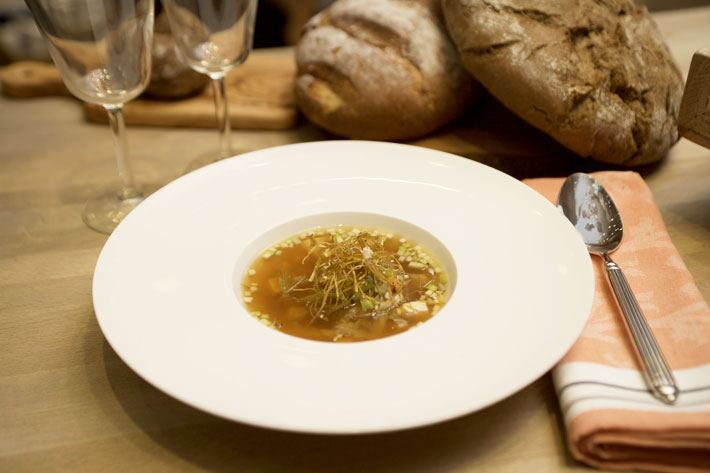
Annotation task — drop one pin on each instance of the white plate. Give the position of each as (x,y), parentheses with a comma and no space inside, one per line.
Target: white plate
(164,288)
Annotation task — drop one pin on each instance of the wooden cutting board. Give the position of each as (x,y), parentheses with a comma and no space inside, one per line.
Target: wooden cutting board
(260,94)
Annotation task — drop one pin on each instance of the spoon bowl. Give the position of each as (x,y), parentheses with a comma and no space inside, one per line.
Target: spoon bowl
(593,213)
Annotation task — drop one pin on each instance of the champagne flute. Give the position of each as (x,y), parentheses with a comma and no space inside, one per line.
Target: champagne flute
(102,50)
(213,37)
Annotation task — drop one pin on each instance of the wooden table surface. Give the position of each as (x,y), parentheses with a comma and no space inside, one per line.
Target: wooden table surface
(67,403)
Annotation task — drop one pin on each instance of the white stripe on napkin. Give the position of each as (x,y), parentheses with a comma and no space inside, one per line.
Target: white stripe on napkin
(582,387)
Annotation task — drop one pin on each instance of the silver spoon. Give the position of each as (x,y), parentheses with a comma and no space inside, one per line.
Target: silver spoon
(592,212)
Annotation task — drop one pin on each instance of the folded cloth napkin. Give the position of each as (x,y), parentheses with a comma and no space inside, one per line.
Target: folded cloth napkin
(612,419)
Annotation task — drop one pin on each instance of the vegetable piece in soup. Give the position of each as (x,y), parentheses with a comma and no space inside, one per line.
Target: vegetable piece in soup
(344,284)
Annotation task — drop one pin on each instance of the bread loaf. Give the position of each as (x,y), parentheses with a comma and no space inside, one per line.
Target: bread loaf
(380,69)
(595,75)
(170,77)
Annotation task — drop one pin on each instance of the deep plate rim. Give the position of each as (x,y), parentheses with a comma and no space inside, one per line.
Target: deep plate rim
(279,424)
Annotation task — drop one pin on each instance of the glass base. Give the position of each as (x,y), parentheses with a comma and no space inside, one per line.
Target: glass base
(105,212)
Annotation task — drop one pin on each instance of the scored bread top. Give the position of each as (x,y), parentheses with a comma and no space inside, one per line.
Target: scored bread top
(380,69)
(594,74)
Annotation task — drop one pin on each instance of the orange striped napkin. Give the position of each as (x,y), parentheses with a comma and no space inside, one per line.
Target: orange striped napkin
(612,419)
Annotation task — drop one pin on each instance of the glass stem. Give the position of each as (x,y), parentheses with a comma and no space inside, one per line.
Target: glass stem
(128,188)
(221,108)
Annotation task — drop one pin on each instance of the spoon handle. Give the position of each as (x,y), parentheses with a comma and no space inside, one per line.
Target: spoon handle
(657,373)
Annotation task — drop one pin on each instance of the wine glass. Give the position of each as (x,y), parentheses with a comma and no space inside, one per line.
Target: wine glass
(102,50)
(213,37)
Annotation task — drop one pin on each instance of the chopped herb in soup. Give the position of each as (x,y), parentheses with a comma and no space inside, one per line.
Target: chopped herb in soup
(344,284)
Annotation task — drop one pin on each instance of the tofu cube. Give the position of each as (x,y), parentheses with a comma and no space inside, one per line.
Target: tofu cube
(414,307)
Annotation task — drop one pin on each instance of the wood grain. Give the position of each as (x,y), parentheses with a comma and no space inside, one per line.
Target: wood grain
(29,79)
(260,94)
(68,403)
(694,117)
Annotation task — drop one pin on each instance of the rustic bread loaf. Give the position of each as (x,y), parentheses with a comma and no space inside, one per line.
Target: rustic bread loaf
(380,69)
(594,74)
(170,77)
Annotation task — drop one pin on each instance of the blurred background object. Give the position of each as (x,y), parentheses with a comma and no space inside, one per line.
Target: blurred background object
(295,13)
(659,5)
(19,37)
(170,77)
(278,23)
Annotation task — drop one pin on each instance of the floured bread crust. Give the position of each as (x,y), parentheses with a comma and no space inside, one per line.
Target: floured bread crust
(380,69)
(594,74)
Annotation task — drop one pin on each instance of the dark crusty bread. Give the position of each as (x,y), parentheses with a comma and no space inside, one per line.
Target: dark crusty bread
(594,74)
(380,69)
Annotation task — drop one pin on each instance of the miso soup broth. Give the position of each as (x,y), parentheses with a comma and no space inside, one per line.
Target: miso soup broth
(344,284)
